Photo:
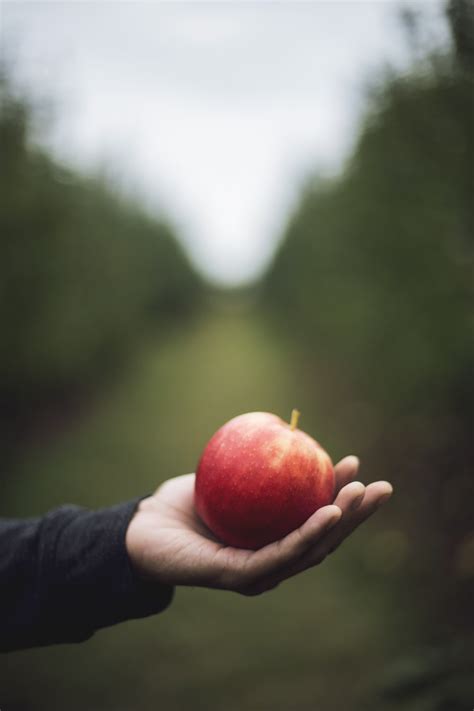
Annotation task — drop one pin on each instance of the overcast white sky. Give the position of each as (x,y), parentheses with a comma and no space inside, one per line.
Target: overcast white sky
(214,111)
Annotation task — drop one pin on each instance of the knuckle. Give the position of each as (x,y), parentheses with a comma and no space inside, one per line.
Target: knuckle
(227,578)
(263,585)
(235,576)
(320,558)
(256,589)
(250,592)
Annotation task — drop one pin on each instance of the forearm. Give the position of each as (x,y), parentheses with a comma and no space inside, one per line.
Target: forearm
(67,574)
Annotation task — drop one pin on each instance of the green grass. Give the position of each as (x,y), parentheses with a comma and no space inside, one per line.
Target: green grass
(319,641)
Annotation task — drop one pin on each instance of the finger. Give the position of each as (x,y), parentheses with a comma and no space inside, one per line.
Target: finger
(283,555)
(350,497)
(183,484)
(345,471)
(374,496)
(272,557)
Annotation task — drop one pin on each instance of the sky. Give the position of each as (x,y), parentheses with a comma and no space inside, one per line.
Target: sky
(213,112)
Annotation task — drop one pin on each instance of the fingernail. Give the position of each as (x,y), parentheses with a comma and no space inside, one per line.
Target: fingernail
(353,461)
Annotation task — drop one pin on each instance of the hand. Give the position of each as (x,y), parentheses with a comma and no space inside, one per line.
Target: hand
(168,543)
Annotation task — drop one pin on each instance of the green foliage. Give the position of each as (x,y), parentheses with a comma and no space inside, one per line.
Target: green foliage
(83,270)
(376,267)
(374,273)
(319,641)
(373,282)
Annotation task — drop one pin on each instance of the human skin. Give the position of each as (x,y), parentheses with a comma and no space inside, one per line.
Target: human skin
(168,543)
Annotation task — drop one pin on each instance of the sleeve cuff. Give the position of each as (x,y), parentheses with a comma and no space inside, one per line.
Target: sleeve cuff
(86,578)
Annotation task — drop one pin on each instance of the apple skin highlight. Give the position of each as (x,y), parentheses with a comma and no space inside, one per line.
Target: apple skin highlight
(259,478)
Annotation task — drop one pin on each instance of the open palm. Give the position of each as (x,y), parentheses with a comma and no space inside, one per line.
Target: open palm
(168,542)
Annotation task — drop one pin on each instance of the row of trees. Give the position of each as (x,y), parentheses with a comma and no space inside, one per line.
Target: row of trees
(375,274)
(83,270)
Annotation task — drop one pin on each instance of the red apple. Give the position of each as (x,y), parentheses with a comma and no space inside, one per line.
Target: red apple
(260,478)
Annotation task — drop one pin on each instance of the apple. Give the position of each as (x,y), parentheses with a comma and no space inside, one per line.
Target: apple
(260,478)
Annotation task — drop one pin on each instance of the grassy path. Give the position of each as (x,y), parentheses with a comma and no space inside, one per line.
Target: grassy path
(300,647)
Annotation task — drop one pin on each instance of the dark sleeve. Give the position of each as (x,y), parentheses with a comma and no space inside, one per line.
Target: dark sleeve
(67,574)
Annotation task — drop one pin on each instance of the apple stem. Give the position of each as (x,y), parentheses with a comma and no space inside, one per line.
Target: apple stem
(295,416)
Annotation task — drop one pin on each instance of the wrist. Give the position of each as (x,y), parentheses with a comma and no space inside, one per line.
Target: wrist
(135,541)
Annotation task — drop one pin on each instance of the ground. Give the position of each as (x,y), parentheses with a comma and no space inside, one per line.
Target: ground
(319,641)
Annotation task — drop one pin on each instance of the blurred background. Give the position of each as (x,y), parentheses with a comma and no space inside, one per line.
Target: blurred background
(213,208)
